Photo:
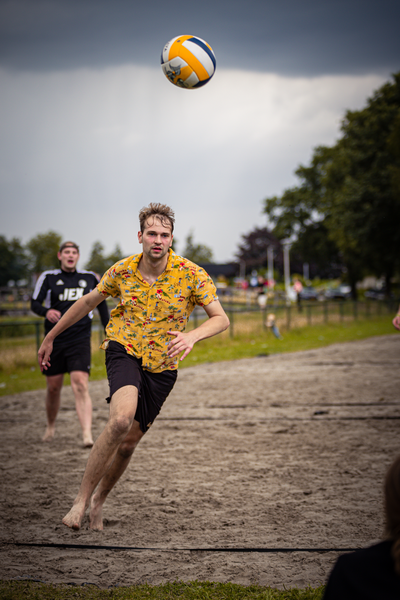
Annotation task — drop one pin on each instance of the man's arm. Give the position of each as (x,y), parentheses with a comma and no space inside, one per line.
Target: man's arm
(104,314)
(79,309)
(183,342)
(39,295)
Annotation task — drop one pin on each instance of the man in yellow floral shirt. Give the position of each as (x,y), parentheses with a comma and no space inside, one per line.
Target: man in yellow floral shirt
(157,291)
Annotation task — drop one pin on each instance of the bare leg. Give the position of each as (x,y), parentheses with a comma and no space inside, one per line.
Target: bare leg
(53,400)
(118,466)
(83,403)
(122,412)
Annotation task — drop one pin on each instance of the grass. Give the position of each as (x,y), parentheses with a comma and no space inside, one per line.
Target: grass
(20,372)
(195,590)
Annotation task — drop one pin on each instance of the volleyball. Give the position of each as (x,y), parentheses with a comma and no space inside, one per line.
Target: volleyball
(188,61)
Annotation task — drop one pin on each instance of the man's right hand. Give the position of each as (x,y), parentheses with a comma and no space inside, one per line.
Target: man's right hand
(53,315)
(44,354)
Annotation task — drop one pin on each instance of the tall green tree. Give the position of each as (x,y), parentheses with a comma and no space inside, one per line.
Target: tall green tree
(300,214)
(13,260)
(42,251)
(198,253)
(361,195)
(352,191)
(98,262)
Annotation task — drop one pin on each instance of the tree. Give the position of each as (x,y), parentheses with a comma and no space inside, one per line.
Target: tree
(115,256)
(361,184)
(98,262)
(42,251)
(13,261)
(315,248)
(352,191)
(197,253)
(253,250)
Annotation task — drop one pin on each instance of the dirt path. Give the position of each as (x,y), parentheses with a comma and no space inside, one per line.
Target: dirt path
(283,451)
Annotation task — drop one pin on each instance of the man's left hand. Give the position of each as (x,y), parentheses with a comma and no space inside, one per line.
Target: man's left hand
(183,342)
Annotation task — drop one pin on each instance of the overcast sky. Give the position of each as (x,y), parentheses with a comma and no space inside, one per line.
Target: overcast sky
(91,130)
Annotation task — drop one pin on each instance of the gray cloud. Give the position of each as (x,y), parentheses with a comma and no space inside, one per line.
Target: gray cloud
(293,38)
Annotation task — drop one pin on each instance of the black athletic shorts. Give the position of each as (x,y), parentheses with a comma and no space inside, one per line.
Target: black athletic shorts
(73,357)
(125,369)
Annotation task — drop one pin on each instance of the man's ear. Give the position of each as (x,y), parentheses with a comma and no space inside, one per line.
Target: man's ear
(140,236)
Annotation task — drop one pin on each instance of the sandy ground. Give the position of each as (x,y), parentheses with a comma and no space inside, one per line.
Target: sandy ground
(275,452)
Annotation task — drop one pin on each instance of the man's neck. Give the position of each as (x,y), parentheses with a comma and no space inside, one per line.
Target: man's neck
(150,270)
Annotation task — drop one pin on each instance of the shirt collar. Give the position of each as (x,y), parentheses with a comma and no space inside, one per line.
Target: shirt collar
(170,262)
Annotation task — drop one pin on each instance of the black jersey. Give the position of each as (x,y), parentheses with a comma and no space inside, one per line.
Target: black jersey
(59,289)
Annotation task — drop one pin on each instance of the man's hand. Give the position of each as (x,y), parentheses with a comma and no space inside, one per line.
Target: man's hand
(44,354)
(53,315)
(183,342)
(396,321)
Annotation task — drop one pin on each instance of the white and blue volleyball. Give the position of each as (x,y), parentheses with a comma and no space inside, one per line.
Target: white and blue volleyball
(188,61)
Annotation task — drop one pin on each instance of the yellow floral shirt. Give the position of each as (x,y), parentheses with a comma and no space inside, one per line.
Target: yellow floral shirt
(146,313)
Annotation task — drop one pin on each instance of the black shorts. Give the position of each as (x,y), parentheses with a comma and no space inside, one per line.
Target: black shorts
(153,388)
(73,357)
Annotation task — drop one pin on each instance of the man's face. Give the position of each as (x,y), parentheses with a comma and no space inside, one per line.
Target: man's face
(156,238)
(68,258)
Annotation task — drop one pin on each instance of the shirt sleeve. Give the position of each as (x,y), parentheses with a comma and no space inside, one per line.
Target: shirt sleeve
(39,295)
(205,291)
(108,285)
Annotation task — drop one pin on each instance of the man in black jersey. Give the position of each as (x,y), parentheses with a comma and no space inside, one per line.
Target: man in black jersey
(58,290)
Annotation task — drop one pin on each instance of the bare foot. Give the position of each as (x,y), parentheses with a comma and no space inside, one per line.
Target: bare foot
(95,515)
(49,433)
(87,440)
(73,519)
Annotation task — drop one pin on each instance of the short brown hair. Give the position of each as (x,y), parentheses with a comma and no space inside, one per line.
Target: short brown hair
(68,245)
(161,211)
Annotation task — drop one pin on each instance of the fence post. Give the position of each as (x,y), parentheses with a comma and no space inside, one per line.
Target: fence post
(341,310)
(325,312)
(231,319)
(37,331)
(309,314)
(288,309)
(355,310)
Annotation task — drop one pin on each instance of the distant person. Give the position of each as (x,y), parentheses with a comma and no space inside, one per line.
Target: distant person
(396,320)
(157,292)
(298,288)
(373,573)
(271,324)
(59,290)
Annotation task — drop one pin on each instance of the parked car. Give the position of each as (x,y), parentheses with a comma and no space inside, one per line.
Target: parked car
(377,294)
(308,293)
(341,292)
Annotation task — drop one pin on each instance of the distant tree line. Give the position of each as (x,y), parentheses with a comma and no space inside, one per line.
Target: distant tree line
(344,215)
(19,262)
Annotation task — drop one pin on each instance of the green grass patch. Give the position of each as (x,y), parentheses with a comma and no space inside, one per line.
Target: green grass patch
(20,372)
(196,590)
(262,342)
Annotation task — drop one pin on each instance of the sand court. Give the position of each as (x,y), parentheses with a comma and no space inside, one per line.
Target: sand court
(249,457)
